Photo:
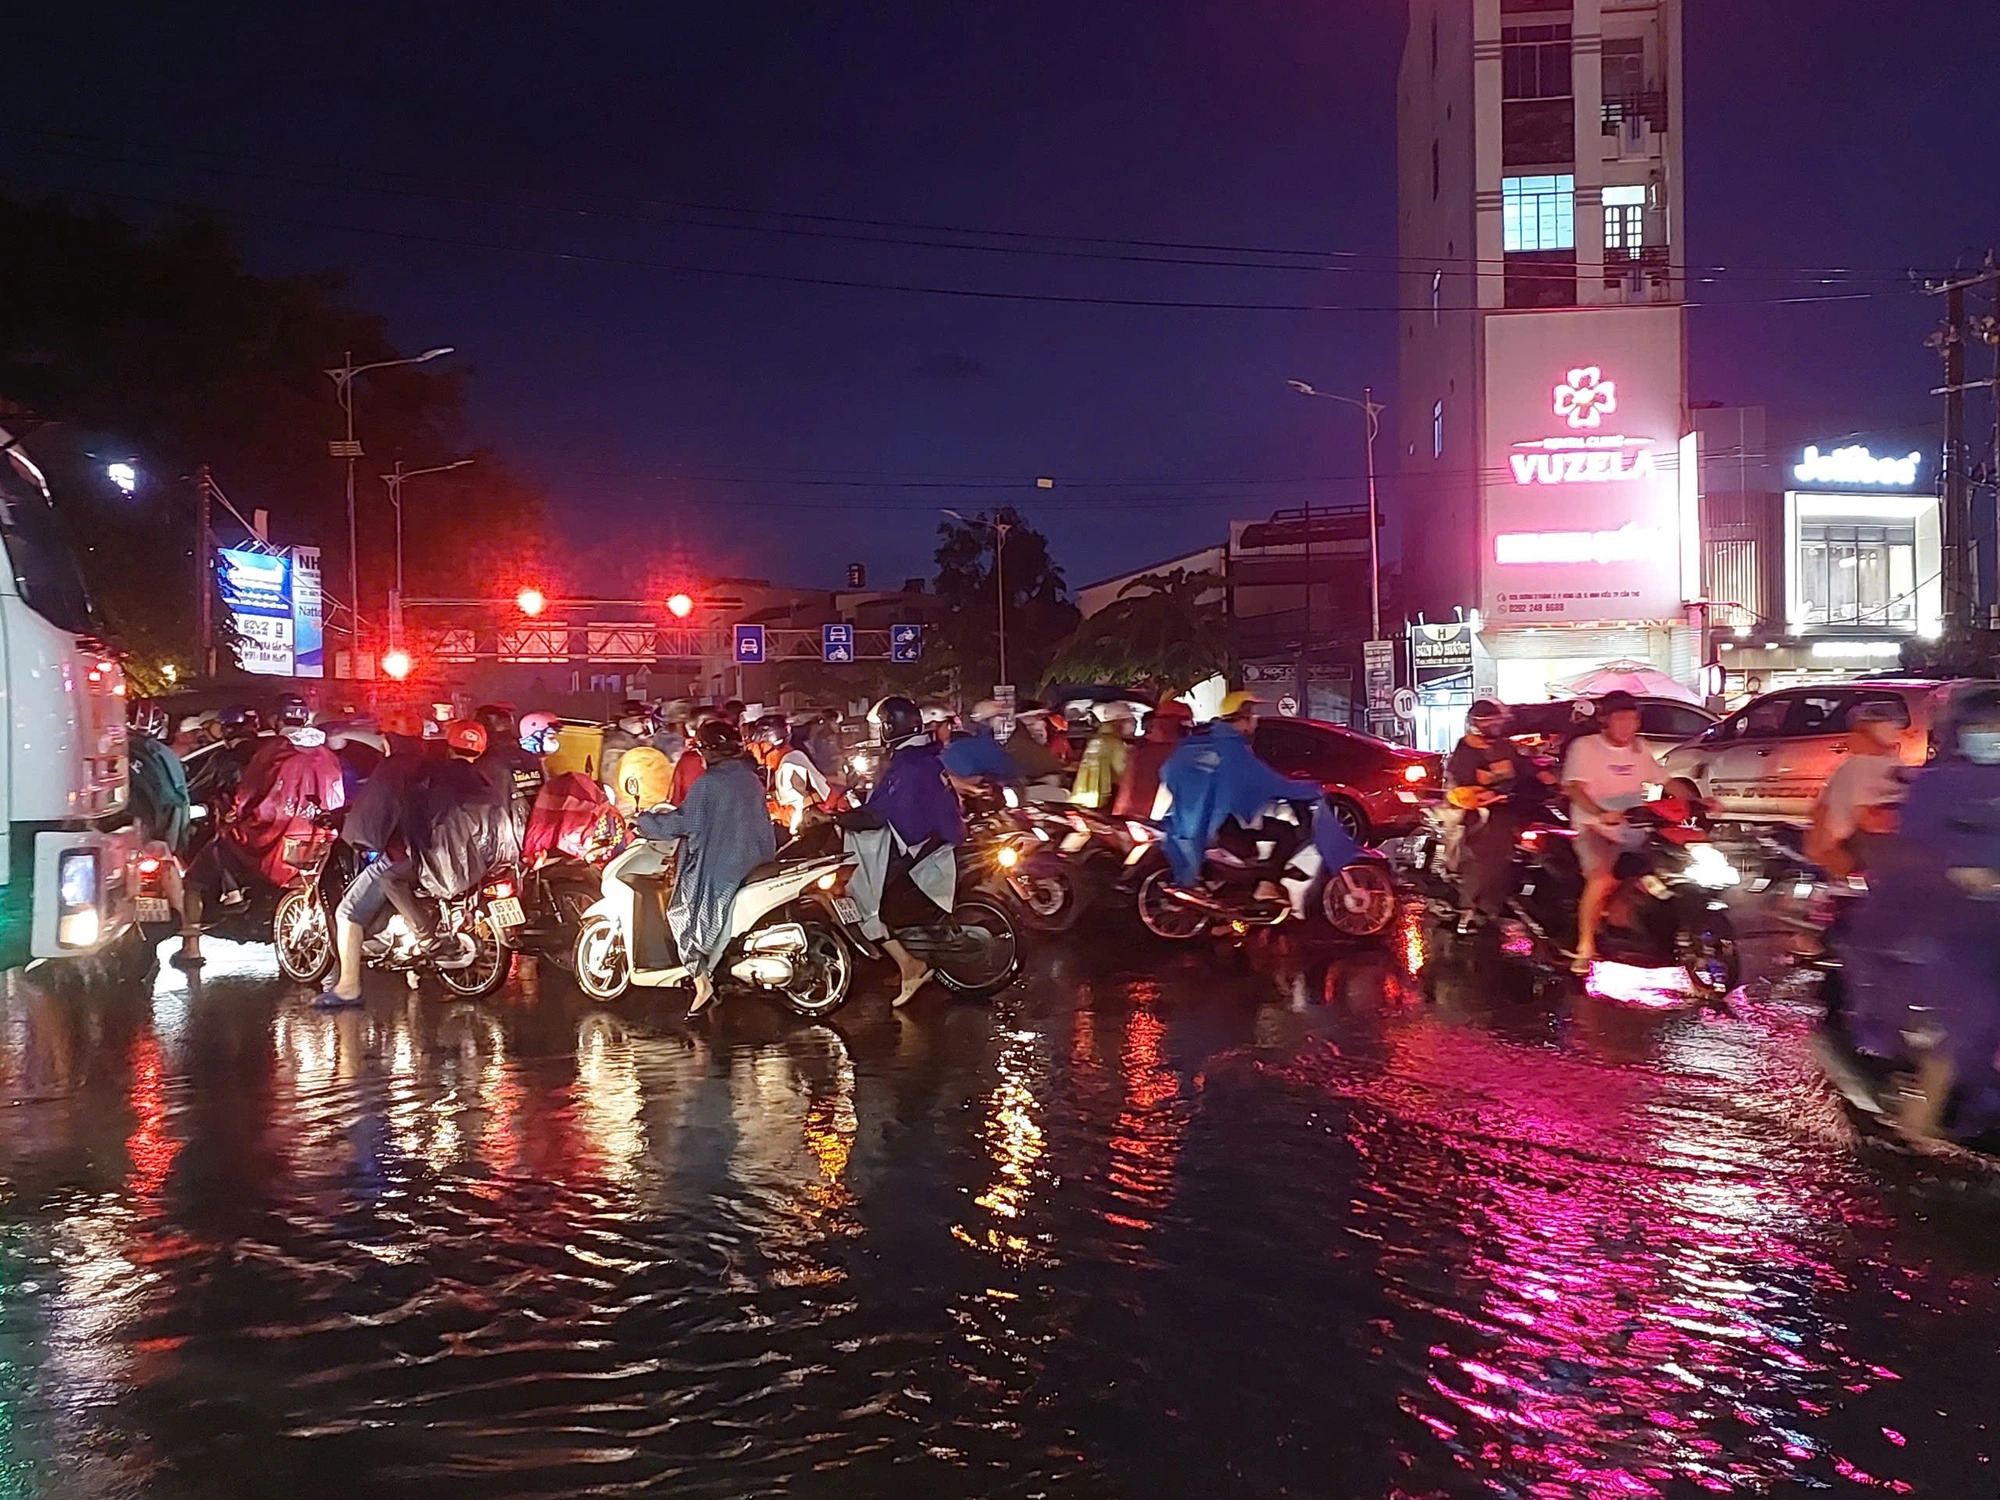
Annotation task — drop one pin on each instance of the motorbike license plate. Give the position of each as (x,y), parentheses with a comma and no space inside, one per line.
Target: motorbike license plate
(153,909)
(507,912)
(847,909)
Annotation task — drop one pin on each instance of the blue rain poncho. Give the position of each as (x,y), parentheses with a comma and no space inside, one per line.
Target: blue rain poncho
(725,833)
(1214,775)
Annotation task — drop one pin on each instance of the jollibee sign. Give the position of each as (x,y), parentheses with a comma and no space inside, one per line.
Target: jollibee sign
(1585,521)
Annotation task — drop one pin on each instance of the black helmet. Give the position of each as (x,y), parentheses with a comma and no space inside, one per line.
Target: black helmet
(497,719)
(146,717)
(293,711)
(896,719)
(770,730)
(718,739)
(237,720)
(1486,711)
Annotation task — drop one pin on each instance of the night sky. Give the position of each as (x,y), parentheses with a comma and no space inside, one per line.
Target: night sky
(531,182)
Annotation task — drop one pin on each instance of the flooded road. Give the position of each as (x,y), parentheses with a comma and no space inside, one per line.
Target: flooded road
(1307,1223)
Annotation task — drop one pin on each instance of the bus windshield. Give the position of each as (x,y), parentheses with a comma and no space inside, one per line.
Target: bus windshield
(44,569)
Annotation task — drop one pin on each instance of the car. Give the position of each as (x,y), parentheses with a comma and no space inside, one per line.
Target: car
(1767,762)
(1376,789)
(1547,728)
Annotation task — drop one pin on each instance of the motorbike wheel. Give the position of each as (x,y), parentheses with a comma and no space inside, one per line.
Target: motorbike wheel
(1165,917)
(820,976)
(1707,951)
(302,935)
(1359,900)
(598,961)
(980,952)
(487,972)
(571,897)
(1049,903)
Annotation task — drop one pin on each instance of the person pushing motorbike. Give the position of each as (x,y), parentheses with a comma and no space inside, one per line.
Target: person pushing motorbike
(725,833)
(915,797)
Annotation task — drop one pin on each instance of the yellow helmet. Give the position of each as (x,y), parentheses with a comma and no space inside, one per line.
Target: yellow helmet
(1234,703)
(645,778)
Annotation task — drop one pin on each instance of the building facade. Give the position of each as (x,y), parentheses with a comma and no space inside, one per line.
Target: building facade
(1549,470)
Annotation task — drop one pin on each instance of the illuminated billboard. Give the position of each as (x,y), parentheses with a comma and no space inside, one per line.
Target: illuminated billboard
(1585,519)
(274,601)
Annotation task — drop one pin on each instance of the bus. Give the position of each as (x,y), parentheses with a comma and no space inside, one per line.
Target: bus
(68,863)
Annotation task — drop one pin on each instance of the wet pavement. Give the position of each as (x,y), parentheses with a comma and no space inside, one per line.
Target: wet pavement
(1311,1221)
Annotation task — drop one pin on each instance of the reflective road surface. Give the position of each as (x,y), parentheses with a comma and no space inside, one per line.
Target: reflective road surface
(1308,1222)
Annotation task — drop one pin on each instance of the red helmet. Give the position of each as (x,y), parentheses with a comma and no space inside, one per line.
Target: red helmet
(466,736)
(406,722)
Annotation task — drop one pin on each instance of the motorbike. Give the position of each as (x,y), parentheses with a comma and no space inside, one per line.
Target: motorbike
(482,920)
(1356,900)
(556,894)
(959,927)
(1012,854)
(779,942)
(1666,912)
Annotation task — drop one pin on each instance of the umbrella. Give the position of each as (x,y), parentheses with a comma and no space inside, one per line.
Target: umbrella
(1634,677)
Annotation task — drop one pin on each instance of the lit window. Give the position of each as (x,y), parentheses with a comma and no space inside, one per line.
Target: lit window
(1538,213)
(1437,430)
(1624,222)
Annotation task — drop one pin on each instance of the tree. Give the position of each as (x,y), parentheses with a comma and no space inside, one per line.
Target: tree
(1158,635)
(157,347)
(1039,611)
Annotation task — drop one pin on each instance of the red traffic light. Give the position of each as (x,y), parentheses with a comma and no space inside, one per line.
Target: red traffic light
(397,664)
(531,601)
(680,606)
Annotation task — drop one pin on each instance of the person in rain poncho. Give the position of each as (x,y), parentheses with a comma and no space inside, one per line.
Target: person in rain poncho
(1925,942)
(1103,763)
(916,800)
(725,834)
(1214,776)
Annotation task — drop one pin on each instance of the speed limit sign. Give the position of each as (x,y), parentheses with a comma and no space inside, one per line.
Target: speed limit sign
(1406,704)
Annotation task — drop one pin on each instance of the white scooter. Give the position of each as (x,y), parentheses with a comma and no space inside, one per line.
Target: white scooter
(778,942)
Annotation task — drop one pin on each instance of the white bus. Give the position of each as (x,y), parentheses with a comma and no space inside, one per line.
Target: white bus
(67,863)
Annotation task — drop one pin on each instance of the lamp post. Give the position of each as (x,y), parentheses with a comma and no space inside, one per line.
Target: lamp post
(394,482)
(343,390)
(1372,410)
(999,530)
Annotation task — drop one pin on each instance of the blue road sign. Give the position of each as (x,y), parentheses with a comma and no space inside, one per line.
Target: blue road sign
(906,642)
(750,645)
(836,643)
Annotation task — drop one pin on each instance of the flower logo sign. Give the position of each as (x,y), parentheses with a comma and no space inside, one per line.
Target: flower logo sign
(1586,398)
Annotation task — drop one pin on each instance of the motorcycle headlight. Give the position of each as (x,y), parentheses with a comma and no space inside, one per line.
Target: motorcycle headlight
(1009,857)
(1708,866)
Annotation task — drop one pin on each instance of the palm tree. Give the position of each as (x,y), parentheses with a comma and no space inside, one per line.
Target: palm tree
(1158,635)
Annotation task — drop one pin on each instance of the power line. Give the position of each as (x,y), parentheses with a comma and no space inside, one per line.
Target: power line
(894,233)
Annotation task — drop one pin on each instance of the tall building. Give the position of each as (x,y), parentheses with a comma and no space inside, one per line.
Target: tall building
(1543,398)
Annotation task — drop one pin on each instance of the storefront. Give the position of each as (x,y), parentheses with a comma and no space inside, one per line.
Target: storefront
(1441,675)
(1591,534)
(1862,559)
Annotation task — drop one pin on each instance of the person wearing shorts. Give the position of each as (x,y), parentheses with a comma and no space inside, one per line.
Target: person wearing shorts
(1605,775)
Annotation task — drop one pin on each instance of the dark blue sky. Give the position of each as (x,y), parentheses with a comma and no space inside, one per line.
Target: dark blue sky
(513,179)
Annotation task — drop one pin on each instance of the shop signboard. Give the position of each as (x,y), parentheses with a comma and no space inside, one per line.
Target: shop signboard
(257,592)
(1378,660)
(1586,521)
(308,615)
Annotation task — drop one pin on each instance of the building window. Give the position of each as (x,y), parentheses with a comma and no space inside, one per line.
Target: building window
(1624,222)
(1437,296)
(1437,430)
(1538,213)
(1437,172)
(1535,62)
(1858,575)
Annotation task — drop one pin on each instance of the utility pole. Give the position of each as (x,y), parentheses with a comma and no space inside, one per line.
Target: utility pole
(1956,532)
(204,582)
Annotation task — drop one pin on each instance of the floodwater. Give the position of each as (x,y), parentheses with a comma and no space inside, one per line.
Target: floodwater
(1152,1224)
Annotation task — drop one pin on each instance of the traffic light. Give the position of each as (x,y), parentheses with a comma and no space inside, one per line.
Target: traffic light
(531,601)
(396,664)
(680,606)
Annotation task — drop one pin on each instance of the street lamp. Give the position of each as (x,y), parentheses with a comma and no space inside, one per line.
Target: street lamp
(999,530)
(395,485)
(1372,410)
(349,449)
